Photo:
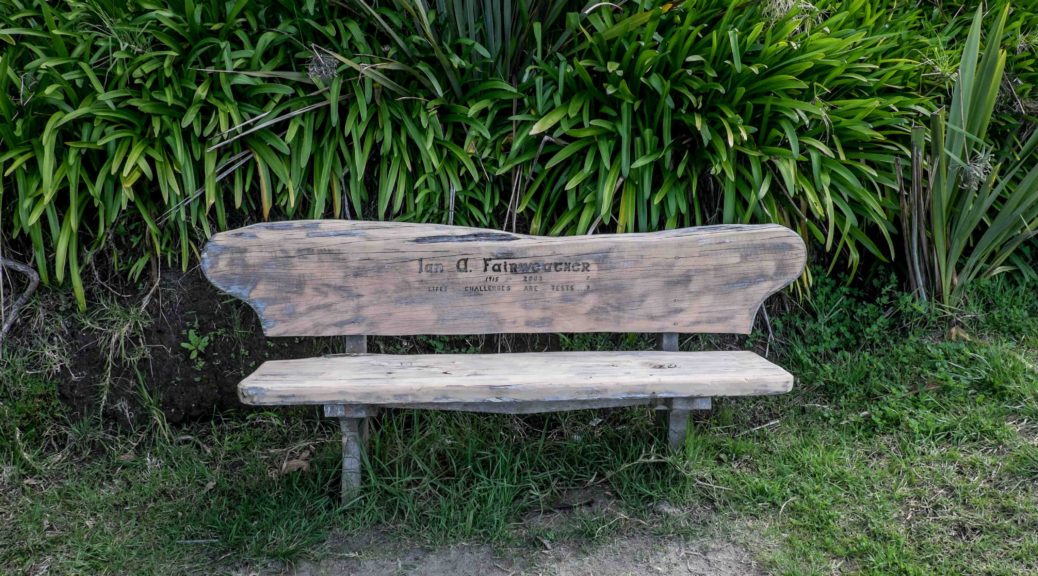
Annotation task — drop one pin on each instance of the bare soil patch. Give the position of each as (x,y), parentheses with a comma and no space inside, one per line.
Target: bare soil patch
(190,344)
(627,555)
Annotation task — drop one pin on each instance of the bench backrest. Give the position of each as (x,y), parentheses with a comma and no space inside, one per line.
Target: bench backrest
(337,278)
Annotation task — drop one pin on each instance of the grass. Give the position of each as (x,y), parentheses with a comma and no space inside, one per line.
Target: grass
(900,451)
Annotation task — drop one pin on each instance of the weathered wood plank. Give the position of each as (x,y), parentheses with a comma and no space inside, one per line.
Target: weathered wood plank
(383,379)
(347,411)
(691,403)
(528,407)
(334,277)
(532,406)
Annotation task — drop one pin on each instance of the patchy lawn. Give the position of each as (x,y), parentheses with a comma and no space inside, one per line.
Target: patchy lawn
(902,450)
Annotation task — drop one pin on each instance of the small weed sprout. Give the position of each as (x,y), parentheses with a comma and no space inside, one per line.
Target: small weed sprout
(126,38)
(195,344)
(943,63)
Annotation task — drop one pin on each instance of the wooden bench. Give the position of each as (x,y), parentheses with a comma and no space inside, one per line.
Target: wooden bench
(354,279)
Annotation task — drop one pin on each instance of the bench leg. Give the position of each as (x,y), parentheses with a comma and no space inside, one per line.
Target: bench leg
(677,418)
(677,428)
(677,414)
(353,422)
(354,434)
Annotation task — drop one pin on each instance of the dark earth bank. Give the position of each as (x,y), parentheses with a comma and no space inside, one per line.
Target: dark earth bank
(180,346)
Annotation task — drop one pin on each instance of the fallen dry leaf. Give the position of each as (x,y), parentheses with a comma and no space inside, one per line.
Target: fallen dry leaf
(957,333)
(295,465)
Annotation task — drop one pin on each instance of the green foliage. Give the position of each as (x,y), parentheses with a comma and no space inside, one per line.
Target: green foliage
(131,131)
(979,215)
(945,30)
(831,327)
(705,113)
(108,111)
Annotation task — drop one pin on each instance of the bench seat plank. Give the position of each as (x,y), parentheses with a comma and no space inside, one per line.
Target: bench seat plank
(384,379)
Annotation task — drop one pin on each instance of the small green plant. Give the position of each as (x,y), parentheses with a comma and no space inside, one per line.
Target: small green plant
(195,344)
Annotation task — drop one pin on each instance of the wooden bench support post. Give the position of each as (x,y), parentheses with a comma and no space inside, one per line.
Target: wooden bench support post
(353,432)
(668,341)
(353,422)
(677,428)
(679,410)
(355,344)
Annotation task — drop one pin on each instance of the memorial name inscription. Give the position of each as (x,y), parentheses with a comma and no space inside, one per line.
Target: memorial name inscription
(504,266)
(499,273)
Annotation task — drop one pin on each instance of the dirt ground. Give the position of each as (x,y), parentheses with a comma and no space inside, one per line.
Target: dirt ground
(622,556)
(119,346)
(632,550)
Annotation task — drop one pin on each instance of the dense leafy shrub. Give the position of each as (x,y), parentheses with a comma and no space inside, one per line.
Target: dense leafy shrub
(109,110)
(709,114)
(133,130)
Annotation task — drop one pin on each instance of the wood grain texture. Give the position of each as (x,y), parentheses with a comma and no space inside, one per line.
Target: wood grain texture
(528,407)
(384,379)
(334,277)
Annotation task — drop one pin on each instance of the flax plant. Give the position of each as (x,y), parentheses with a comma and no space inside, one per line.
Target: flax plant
(980,205)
